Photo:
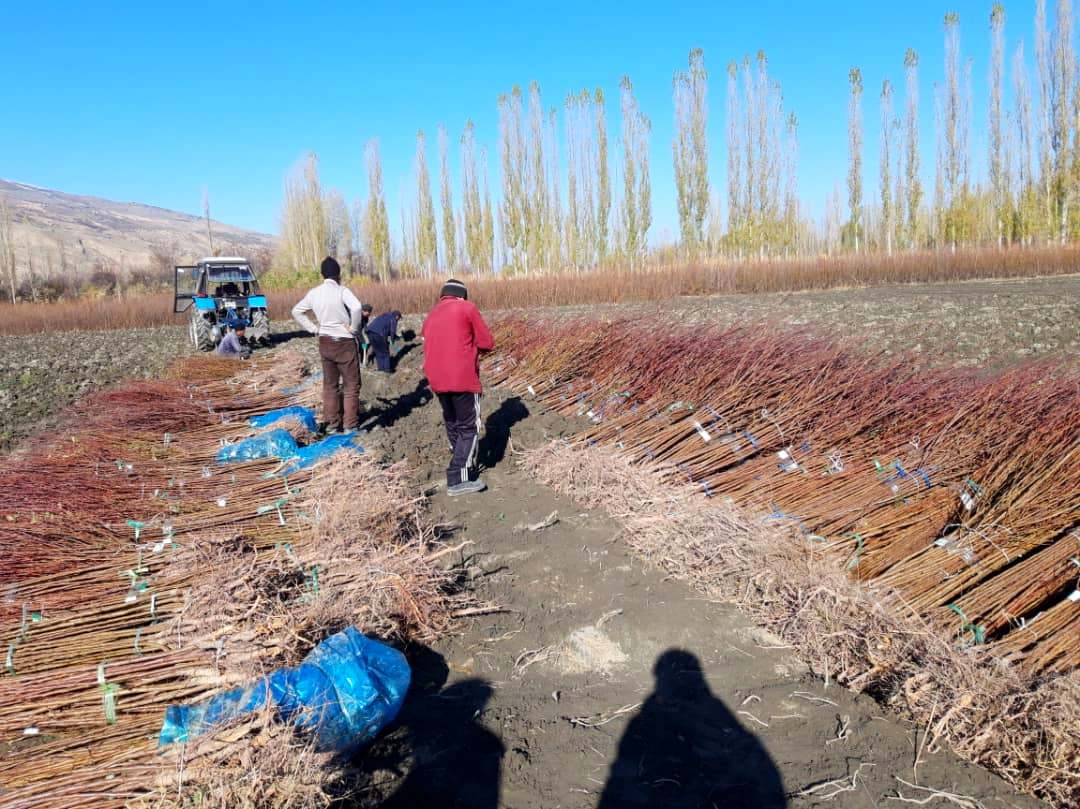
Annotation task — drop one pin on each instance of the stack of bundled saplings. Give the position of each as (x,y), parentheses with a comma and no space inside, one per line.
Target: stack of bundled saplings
(138,573)
(953,495)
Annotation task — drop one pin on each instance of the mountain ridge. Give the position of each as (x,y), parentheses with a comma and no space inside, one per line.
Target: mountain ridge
(60,232)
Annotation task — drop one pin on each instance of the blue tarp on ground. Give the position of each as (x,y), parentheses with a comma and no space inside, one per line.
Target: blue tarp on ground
(347,689)
(307,456)
(305,415)
(273,444)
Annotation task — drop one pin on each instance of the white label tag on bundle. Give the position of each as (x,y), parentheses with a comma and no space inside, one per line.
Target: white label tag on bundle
(967,500)
(530,390)
(895,489)
(944,542)
(705,435)
(222,501)
(1074,596)
(131,597)
(30,731)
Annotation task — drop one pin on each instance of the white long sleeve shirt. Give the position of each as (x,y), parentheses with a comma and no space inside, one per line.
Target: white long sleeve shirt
(334,306)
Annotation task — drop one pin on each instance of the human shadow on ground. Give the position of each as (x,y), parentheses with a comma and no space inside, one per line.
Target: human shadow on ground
(397,356)
(497,427)
(282,337)
(445,756)
(390,411)
(684,748)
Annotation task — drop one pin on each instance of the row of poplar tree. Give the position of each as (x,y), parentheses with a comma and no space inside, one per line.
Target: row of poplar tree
(558,211)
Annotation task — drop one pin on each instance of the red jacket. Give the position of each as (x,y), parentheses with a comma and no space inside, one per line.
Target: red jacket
(454,335)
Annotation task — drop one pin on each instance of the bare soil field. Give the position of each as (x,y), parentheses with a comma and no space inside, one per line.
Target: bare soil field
(974,323)
(41,374)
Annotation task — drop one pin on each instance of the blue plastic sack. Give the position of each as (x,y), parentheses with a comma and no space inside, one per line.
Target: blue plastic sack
(305,415)
(347,689)
(273,444)
(321,450)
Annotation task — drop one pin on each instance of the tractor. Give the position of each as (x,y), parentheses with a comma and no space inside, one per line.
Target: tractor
(218,291)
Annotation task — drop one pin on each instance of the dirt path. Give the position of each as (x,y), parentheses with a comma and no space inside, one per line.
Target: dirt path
(604,683)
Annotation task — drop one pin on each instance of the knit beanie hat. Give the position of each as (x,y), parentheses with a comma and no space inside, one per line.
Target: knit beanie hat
(330,268)
(456,288)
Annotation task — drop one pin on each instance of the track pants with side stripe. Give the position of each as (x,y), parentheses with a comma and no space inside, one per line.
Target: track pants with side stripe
(461,412)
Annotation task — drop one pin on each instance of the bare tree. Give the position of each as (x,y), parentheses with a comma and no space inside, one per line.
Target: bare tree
(446,203)
(7,249)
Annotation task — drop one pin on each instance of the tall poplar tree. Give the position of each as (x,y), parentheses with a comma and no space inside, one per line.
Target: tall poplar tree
(636,216)
(912,183)
(513,212)
(446,203)
(691,152)
(886,165)
(995,165)
(376,223)
(426,239)
(603,181)
(855,156)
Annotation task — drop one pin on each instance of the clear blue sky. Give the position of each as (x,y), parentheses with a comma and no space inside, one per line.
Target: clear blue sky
(150,104)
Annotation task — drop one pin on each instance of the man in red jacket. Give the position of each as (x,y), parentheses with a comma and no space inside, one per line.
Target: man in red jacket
(454,335)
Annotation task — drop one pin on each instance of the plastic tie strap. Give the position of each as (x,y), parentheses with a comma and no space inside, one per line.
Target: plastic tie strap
(138,634)
(9,661)
(108,695)
(138,526)
(859,544)
(705,435)
(978,632)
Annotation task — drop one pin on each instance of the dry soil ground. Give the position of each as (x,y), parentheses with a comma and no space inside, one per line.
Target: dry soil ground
(602,682)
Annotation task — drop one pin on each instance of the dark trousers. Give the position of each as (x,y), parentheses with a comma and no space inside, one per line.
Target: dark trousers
(461,412)
(380,347)
(341,381)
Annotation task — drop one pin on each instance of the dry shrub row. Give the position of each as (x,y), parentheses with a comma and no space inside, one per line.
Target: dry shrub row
(1021,728)
(612,285)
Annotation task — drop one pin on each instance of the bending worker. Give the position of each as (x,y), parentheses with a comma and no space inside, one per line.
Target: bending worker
(454,336)
(339,313)
(232,344)
(380,333)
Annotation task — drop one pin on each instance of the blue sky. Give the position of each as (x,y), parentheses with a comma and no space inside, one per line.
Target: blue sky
(152,102)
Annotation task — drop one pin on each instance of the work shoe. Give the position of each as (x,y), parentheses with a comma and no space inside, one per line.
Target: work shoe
(468,487)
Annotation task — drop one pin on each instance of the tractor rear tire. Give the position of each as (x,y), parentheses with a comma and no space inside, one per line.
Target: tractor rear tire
(201,336)
(260,327)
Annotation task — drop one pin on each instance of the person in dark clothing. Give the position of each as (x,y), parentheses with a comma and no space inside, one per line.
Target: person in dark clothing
(232,344)
(686,749)
(380,332)
(365,347)
(455,334)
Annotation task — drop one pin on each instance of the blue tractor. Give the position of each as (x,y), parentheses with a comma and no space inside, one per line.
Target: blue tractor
(219,291)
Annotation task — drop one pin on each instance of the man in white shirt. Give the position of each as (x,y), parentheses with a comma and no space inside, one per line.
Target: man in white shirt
(338,313)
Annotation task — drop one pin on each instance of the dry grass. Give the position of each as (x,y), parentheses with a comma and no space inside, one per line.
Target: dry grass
(364,562)
(607,286)
(258,764)
(987,712)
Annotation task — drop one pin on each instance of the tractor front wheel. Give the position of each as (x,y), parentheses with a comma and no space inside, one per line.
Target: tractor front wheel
(201,336)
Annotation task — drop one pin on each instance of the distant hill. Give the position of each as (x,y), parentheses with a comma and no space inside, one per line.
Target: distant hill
(68,233)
